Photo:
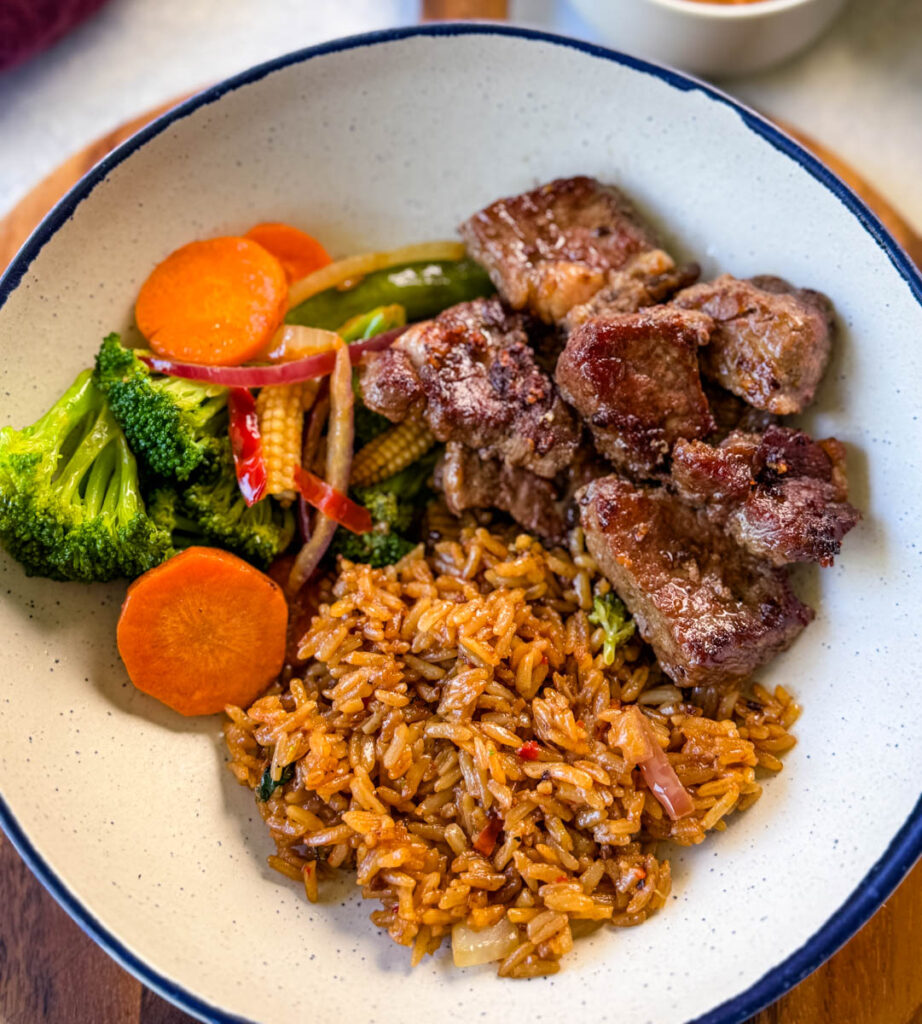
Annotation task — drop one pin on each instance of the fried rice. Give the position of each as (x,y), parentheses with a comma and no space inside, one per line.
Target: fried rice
(453,735)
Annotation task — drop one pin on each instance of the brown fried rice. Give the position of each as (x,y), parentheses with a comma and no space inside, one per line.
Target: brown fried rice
(449,735)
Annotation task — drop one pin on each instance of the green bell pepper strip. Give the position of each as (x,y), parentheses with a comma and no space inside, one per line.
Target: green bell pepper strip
(368,325)
(423,289)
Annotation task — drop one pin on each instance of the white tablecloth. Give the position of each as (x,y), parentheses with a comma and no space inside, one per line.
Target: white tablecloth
(859,90)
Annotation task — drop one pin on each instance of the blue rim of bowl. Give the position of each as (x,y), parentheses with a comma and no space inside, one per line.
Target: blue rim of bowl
(905,848)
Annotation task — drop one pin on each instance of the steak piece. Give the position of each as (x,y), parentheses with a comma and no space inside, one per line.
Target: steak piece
(389,384)
(732,413)
(647,280)
(711,611)
(468,481)
(782,495)
(634,378)
(555,247)
(474,375)
(771,341)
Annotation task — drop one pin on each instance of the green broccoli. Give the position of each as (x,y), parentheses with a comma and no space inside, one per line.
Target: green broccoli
(210,510)
(174,426)
(395,505)
(70,503)
(378,548)
(609,613)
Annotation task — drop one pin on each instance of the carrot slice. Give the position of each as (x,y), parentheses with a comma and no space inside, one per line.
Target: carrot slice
(203,630)
(297,251)
(216,302)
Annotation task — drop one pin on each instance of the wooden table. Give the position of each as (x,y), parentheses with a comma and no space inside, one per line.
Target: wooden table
(51,973)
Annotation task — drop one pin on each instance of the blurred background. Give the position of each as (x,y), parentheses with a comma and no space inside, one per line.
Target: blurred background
(74,70)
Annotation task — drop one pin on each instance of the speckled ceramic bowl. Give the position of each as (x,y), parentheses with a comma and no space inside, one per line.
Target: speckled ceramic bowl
(126,811)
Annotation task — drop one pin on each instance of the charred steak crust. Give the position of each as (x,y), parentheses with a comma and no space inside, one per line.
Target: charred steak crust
(634,379)
(782,495)
(711,612)
(389,384)
(771,342)
(556,246)
(475,375)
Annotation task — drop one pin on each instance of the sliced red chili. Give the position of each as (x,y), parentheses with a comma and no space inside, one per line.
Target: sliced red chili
(485,842)
(332,503)
(529,751)
(246,445)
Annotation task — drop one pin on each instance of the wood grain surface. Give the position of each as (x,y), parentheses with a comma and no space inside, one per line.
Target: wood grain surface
(51,973)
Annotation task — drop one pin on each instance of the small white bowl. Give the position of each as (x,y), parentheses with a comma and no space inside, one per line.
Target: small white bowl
(707,37)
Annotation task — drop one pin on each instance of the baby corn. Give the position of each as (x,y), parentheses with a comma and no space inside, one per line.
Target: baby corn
(280,409)
(391,452)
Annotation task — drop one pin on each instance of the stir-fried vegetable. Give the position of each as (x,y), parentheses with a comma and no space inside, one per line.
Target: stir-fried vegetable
(631,731)
(175,427)
(246,444)
(423,289)
(264,376)
(212,511)
(332,503)
(338,468)
(391,451)
(343,272)
(470,947)
(216,302)
(294,341)
(371,324)
(298,252)
(202,631)
(280,410)
(395,506)
(267,785)
(609,613)
(70,504)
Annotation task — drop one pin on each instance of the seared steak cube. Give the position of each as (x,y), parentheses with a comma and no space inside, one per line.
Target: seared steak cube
(468,481)
(555,247)
(782,495)
(474,374)
(711,611)
(771,341)
(634,379)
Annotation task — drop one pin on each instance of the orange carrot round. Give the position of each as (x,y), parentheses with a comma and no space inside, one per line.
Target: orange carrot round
(298,252)
(203,630)
(216,302)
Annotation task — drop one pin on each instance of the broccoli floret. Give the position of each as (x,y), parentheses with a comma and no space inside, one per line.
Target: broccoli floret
(70,503)
(395,505)
(211,511)
(409,488)
(173,426)
(386,508)
(378,548)
(609,613)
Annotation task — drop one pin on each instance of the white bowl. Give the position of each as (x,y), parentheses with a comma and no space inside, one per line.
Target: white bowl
(127,813)
(711,38)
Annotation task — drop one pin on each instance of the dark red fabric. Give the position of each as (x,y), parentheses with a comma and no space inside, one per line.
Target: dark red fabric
(28,26)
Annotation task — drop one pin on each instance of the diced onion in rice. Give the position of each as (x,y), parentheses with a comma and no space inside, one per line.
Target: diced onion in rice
(469,948)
